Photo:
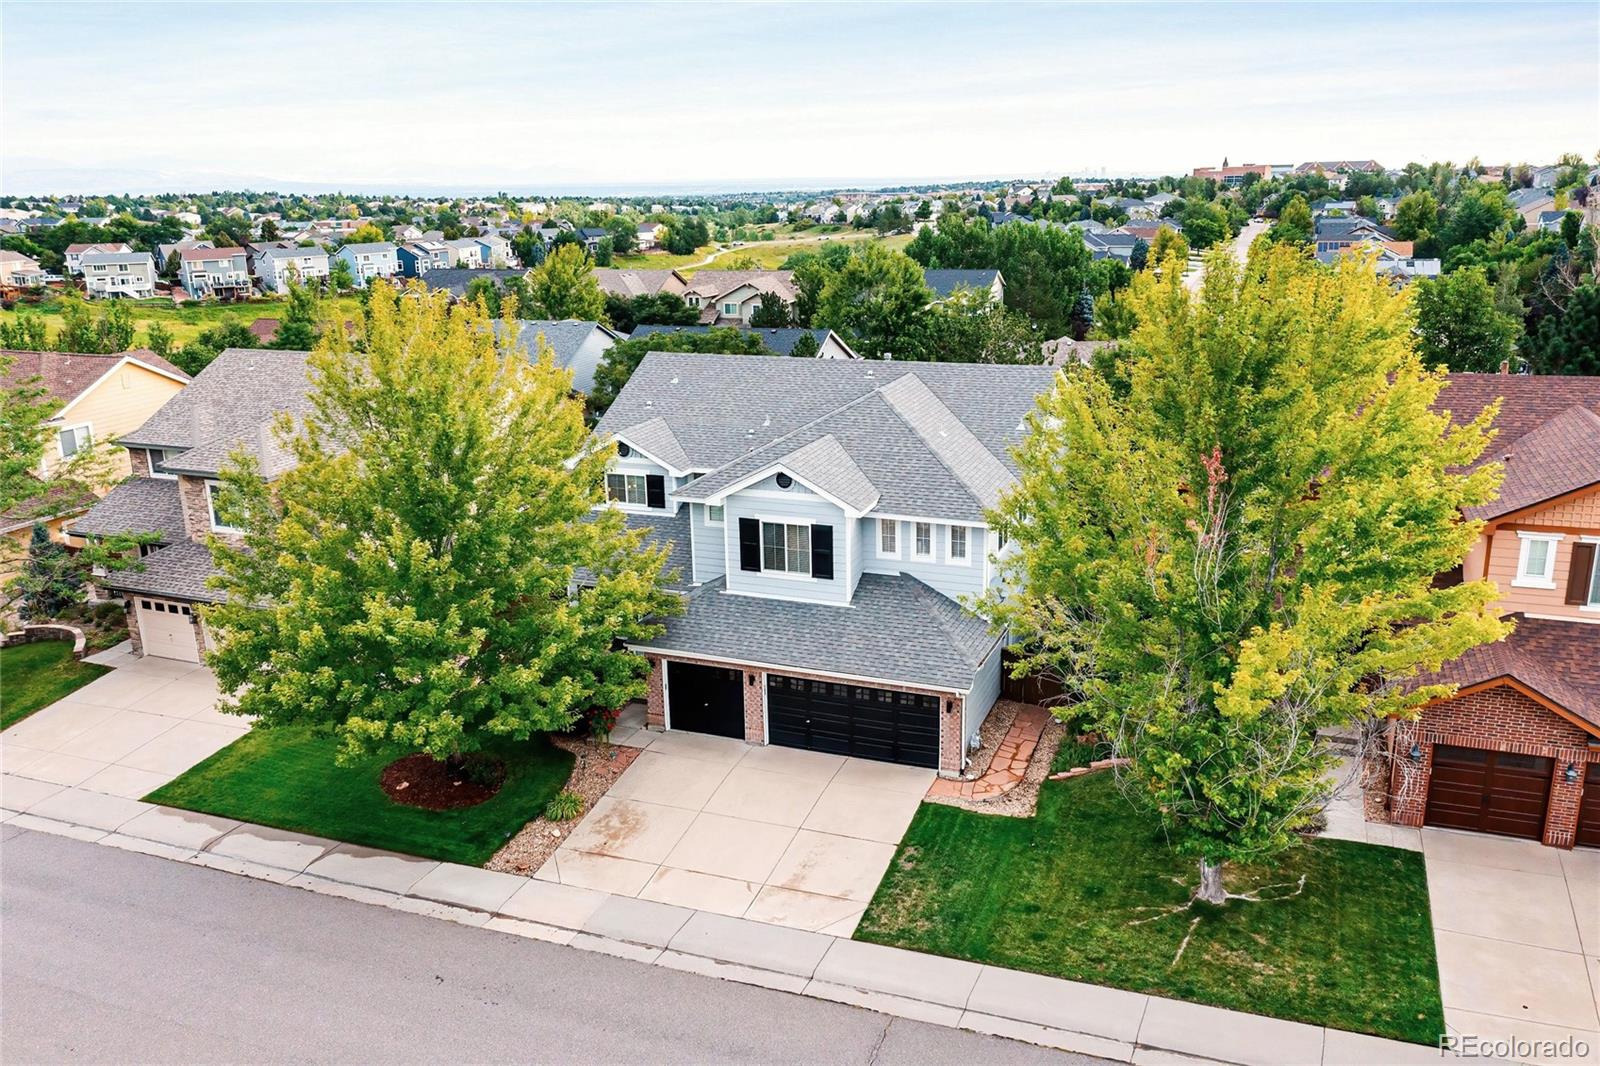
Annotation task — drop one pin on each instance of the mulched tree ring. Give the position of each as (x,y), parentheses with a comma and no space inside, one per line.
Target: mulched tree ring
(420,780)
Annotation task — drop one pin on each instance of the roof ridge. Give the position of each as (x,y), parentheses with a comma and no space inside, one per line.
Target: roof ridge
(934,447)
(942,604)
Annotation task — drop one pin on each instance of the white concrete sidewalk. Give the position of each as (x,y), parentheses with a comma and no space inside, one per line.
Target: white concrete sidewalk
(1089,1019)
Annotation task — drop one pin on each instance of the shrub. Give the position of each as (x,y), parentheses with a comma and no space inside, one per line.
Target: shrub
(564,806)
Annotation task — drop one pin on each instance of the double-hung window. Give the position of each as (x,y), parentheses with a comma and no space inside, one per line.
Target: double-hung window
(627,488)
(75,439)
(786,548)
(1536,562)
(958,544)
(924,540)
(888,537)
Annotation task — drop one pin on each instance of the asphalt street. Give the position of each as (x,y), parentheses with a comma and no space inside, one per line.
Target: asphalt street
(106,955)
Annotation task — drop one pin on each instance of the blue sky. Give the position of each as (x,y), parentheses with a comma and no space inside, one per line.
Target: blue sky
(571,96)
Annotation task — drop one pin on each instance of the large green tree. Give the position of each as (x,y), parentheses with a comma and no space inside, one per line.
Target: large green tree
(1458,325)
(1568,341)
(1294,225)
(564,286)
(875,302)
(1232,549)
(413,579)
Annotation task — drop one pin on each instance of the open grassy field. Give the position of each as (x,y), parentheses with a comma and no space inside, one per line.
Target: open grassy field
(1088,890)
(189,320)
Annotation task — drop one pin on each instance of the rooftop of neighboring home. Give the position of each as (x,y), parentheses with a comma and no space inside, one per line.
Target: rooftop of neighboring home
(291,252)
(62,498)
(570,346)
(927,439)
(64,376)
(9,256)
(713,283)
(630,283)
(780,340)
(369,248)
(89,259)
(456,279)
(230,404)
(107,246)
(945,282)
(208,254)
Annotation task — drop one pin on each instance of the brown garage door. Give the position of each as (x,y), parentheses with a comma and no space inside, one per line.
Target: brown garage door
(1489,791)
(1589,808)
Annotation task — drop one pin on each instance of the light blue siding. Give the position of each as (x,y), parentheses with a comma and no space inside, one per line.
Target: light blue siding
(954,579)
(766,501)
(710,558)
(985,691)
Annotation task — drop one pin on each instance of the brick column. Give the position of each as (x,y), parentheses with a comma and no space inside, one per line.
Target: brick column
(952,711)
(139,462)
(755,691)
(655,706)
(1408,780)
(133,625)
(1561,820)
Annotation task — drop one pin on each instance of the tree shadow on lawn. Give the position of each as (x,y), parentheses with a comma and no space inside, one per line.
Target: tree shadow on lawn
(287,778)
(1088,890)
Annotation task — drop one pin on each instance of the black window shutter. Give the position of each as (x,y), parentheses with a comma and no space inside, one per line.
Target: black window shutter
(749,544)
(655,490)
(822,552)
(1580,573)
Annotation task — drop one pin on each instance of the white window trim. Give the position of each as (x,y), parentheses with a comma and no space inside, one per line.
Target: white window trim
(930,554)
(877,536)
(1592,608)
(716,521)
(211,511)
(762,522)
(965,559)
(151,463)
(624,505)
(74,427)
(1522,580)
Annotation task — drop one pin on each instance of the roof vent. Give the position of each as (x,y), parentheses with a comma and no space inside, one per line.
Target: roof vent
(674,379)
(765,422)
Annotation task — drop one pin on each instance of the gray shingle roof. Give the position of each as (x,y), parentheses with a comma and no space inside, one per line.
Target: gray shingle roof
(825,464)
(671,530)
(113,258)
(229,404)
(179,571)
(656,438)
(895,629)
(945,282)
(566,339)
(456,279)
(138,505)
(938,447)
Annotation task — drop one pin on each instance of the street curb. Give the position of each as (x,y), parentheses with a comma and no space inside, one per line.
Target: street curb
(855,977)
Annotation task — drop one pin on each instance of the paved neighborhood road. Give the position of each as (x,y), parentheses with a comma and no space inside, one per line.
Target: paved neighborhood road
(109,955)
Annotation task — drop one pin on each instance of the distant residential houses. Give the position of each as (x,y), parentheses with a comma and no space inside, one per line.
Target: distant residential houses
(378,259)
(276,266)
(222,272)
(131,275)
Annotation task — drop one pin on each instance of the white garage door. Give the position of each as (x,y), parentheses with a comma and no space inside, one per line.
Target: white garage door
(167,630)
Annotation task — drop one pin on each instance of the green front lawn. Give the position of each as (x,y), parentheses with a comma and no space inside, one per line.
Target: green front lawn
(287,778)
(36,675)
(1058,894)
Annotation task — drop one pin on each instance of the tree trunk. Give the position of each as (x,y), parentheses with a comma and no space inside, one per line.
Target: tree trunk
(1211,890)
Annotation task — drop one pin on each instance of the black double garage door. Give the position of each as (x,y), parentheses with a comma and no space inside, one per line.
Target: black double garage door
(841,719)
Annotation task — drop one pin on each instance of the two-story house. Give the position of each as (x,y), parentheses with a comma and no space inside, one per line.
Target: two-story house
(465,252)
(276,266)
(828,519)
(94,398)
(731,297)
(1516,750)
(376,259)
(419,257)
(71,259)
(214,272)
(494,251)
(131,275)
(18,270)
(176,455)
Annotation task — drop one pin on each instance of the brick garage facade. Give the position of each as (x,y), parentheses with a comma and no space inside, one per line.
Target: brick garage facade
(951,704)
(1495,718)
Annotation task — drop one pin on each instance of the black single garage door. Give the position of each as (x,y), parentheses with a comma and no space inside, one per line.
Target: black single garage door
(1489,791)
(870,723)
(705,699)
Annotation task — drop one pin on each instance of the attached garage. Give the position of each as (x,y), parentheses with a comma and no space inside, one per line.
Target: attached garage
(1489,791)
(1589,809)
(844,719)
(167,629)
(705,699)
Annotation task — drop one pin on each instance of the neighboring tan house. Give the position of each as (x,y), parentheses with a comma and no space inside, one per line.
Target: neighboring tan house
(780,340)
(97,398)
(465,252)
(378,259)
(730,297)
(1516,750)
(71,258)
(826,520)
(131,275)
(946,283)
(276,266)
(630,283)
(214,272)
(18,271)
(176,456)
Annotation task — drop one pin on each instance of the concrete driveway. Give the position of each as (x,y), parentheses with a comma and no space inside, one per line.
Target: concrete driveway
(772,834)
(121,735)
(1517,929)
